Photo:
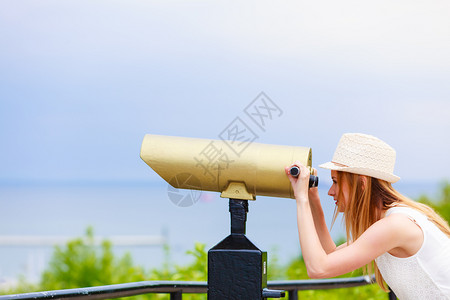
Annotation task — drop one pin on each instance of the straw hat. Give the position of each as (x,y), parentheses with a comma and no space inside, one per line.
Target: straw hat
(364,154)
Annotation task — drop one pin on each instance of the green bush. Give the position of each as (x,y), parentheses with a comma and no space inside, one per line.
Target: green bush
(81,264)
(442,204)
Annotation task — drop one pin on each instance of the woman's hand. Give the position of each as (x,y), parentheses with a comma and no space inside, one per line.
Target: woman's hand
(300,185)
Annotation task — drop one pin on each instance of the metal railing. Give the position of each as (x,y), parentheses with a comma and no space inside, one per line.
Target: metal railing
(177,288)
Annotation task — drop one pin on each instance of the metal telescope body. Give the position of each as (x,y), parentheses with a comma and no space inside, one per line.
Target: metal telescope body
(213,165)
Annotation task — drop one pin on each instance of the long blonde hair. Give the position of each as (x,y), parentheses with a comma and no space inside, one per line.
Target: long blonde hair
(366,204)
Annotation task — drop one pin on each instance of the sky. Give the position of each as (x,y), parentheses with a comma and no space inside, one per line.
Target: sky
(82,82)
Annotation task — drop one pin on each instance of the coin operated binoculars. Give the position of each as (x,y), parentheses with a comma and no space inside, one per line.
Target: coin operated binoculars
(237,269)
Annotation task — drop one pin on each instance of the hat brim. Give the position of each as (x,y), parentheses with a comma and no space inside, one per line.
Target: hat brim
(361,171)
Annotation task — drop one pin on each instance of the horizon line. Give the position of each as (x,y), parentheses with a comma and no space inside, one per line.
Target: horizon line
(149,182)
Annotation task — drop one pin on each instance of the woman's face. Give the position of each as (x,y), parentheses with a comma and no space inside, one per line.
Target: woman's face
(334,192)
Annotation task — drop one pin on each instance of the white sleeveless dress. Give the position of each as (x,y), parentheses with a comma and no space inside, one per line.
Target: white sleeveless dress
(424,275)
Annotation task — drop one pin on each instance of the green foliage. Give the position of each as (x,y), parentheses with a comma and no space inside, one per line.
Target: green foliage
(80,264)
(196,271)
(275,271)
(442,204)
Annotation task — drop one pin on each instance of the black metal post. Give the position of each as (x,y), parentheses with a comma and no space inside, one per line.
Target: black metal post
(237,269)
(176,295)
(293,295)
(238,213)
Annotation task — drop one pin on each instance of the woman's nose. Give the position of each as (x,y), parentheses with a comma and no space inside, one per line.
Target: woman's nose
(331,191)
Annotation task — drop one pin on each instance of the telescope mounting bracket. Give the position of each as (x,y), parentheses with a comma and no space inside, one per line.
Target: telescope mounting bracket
(237,190)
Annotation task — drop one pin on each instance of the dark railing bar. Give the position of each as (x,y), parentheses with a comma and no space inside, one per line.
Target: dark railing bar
(176,288)
(268,293)
(320,284)
(117,290)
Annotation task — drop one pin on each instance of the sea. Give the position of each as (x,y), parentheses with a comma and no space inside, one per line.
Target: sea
(39,210)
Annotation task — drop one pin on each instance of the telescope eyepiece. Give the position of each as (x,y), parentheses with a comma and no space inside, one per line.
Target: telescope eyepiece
(295,171)
(313,180)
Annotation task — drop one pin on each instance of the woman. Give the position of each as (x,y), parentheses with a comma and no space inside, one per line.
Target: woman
(403,242)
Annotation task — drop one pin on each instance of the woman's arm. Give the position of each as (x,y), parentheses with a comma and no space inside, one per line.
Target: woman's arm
(319,219)
(319,222)
(376,240)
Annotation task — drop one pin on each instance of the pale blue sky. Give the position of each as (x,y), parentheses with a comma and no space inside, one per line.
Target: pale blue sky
(81,82)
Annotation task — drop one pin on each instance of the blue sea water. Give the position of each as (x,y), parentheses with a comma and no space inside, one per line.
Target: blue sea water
(145,209)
